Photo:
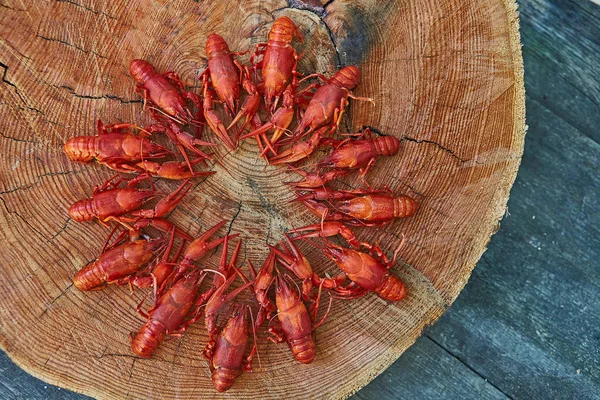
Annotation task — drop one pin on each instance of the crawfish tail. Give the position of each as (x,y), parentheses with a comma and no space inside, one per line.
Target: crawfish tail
(83,210)
(386,145)
(223,378)
(304,349)
(81,148)
(404,206)
(89,277)
(148,338)
(391,288)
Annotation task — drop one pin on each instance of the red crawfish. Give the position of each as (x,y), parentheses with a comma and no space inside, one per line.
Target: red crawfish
(182,140)
(124,264)
(224,72)
(281,119)
(262,282)
(115,149)
(250,106)
(278,65)
(165,91)
(328,104)
(295,261)
(216,295)
(226,353)
(169,170)
(361,154)
(117,263)
(328,229)
(315,180)
(213,120)
(168,315)
(366,273)
(109,202)
(363,207)
(300,150)
(295,323)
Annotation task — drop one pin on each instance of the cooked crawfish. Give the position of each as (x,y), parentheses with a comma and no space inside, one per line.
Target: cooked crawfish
(115,149)
(295,261)
(262,282)
(328,104)
(366,273)
(213,120)
(278,65)
(226,353)
(250,106)
(224,72)
(216,295)
(117,263)
(328,229)
(361,154)
(296,326)
(281,119)
(316,180)
(167,315)
(109,202)
(165,91)
(361,207)
(197,249)
(300,150)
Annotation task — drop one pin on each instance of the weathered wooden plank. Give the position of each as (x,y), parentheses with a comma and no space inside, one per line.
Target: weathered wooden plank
(561,49)
(427,371)
(529,320)
(16,384)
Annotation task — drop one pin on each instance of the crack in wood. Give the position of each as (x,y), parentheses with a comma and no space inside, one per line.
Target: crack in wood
(237,213)
(102,97)
(409,139)
(49,39)
(88,9)
(33,228)
(49,305)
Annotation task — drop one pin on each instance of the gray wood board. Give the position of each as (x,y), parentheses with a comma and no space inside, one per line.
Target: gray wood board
(528,323)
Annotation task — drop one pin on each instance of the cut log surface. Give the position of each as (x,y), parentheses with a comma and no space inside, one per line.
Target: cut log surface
(446,77)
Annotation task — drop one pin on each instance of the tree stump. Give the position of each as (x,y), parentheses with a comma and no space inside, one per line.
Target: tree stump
(447,78)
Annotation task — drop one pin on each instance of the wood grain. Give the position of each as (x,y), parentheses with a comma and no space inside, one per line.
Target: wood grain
(446,77)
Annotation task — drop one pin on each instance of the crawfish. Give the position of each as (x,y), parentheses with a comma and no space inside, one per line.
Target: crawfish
(366,273)
(165,91)
(296,262)
(226,353)
(170,170)
(328,104)
(117,263)
(296,326)
(110,203)
(327,229)
(377,209)
(300,150)
(281,119)
(167,315)
(262,282)
(250,106)
(360,207)
(278,65)
(361,154)
(117,150)
(213,120)
(216,295)
(182,140)
(224,72)
(315,180)
(198,248)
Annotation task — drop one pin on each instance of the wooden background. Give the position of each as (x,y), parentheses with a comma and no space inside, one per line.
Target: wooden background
(527,324)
